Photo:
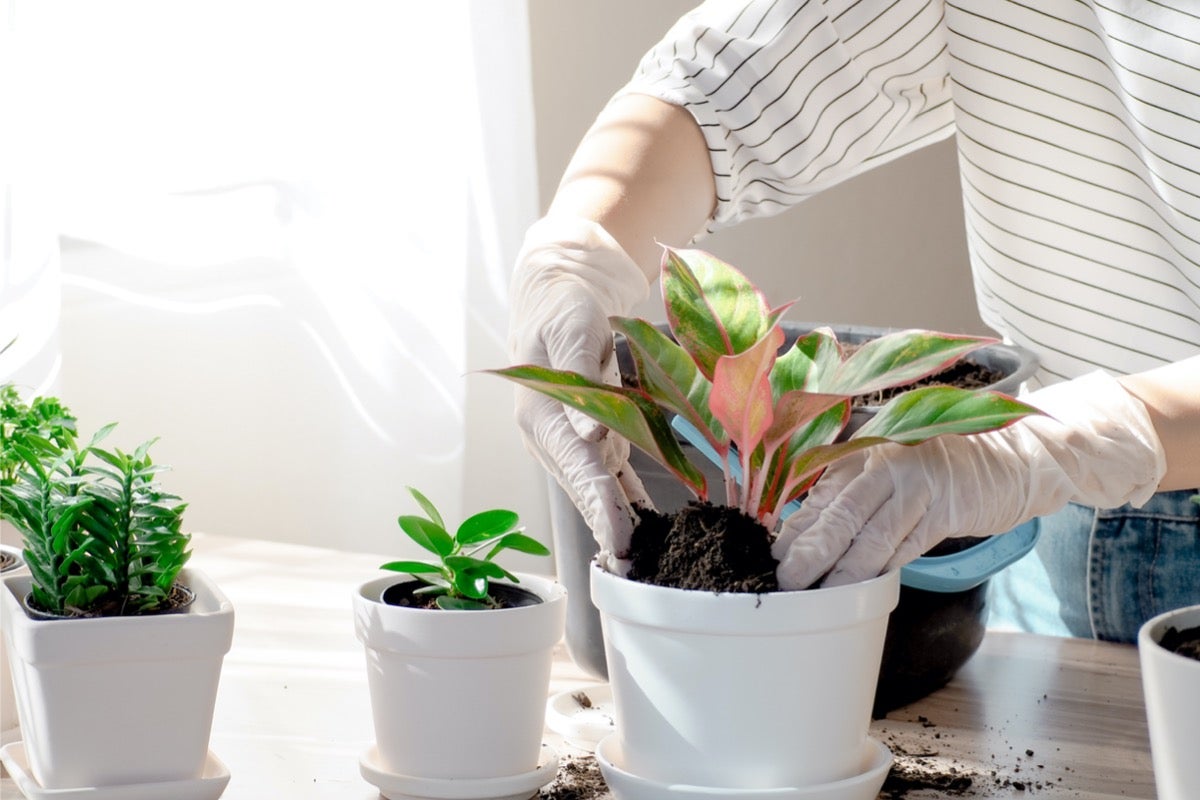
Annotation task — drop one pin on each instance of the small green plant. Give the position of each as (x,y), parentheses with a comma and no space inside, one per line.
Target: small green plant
(459,578)
(22,425)
(774,419)
(101,536)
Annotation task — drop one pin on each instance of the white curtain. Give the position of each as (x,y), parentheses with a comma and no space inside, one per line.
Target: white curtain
(285,230)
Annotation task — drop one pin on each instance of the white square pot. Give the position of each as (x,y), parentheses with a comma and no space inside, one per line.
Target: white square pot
(113,701)
(477,679)
(1171,683)
(8,701)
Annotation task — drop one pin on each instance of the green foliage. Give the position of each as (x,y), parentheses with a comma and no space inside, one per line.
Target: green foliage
(778,416)
(22,425)
(100,534)
(459,575)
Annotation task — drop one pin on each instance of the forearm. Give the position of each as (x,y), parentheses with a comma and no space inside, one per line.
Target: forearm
(643,173)
(1171,395)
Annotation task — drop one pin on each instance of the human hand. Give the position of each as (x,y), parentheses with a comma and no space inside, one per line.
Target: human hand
(570,277)
(883,507)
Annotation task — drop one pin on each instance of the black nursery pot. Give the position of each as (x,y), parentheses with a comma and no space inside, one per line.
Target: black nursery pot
(930,634)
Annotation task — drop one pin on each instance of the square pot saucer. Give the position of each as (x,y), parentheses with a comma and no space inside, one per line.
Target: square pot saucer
(582,716)
(624,785)
(507,787)
(209,786)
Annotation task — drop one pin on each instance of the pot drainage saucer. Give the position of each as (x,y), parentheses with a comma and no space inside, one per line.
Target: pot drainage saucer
(409,787)
(627,786)
(208,786)
(581,716)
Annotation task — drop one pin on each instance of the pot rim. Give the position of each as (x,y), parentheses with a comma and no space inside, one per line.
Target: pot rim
(749,614)
(1151,632)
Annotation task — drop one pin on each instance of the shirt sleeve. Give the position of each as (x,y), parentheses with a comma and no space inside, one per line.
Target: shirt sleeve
(794,96)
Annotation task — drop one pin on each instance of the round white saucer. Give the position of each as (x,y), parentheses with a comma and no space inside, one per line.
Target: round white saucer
(877,760)
(208,786)
(508,787)
(581,716)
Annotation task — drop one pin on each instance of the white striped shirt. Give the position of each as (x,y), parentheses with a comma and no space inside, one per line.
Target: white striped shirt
(1078,133)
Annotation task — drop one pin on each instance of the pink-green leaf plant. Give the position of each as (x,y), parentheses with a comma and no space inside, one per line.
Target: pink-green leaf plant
(778,415)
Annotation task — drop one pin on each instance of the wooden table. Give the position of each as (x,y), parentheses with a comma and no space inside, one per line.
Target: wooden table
(1058,717)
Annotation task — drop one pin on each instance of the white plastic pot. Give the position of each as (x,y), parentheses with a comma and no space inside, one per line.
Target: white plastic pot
(112,701)
(1171,683)
(743,691)
(459,694)
(8,702)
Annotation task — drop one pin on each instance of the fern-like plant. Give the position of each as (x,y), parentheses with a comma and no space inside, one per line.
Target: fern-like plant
(101,536)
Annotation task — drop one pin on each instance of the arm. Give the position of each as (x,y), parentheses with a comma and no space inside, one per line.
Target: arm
(642,173)
(1101,442)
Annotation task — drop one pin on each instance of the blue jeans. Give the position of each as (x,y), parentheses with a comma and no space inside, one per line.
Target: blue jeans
(1102,573)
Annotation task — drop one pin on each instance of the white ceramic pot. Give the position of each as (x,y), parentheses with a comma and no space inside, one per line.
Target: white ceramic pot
(1171,683)
(112,701)
(743,691)
(8,701)
(478,679)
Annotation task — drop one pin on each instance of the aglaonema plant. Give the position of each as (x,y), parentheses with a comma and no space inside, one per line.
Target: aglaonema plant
(778,416)
(460,576)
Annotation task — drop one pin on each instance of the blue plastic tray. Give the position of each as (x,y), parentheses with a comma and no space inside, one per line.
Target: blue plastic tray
(956,572)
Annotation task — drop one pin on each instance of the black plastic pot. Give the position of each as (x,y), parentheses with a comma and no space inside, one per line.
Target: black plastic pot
(930,634)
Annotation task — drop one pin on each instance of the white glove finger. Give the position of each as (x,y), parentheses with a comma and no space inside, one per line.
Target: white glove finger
(581,470)
(821,495)
(887,534)
(606,371)
(818,548)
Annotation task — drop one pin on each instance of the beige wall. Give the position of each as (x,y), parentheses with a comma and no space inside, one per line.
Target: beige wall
(886,248)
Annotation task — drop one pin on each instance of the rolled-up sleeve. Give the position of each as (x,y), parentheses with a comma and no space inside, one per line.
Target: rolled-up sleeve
(794,96)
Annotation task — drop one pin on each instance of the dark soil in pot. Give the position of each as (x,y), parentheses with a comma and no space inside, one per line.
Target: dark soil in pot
(1185,642)
(703,546)
(178,600)
(505,595)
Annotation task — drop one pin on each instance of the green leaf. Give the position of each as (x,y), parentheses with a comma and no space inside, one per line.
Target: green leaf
(470,584)
(429,508)
(931,411)
(670,377)
(900,358)
(448,603)
(712,308)
(630,413)
(411,567)
(427,534)
(521,543)
(810,364)
(477,567)
(486,525)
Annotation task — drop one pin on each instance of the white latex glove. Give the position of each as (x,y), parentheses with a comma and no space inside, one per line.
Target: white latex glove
(885,506)
(570,277)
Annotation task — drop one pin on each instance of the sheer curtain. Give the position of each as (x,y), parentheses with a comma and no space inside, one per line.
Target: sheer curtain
(281,234)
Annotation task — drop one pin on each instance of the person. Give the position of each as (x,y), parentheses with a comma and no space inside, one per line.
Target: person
(1078,134)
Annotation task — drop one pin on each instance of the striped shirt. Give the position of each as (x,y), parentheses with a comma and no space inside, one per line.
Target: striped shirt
(1078,131)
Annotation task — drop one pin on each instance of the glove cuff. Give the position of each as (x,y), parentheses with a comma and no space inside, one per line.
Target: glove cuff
(564,247)
(1102,438)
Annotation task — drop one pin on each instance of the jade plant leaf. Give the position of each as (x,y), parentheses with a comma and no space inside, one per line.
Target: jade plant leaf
(460,576)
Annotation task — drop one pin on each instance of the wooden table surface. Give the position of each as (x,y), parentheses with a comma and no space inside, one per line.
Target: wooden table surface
(1027,716)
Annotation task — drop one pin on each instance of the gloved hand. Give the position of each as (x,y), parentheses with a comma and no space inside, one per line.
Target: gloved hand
(570,277)
(883,507)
